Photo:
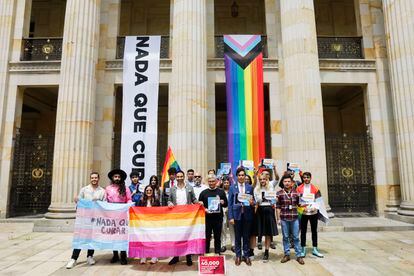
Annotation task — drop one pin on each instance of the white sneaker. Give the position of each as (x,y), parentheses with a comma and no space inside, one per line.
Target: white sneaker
(90,260)
(143,260)
(71,264)
(154,260)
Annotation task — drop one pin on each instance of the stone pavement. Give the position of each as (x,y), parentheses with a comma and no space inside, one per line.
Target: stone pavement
(346,253)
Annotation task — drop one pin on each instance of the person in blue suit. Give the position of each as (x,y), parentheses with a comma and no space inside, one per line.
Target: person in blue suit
(241,215)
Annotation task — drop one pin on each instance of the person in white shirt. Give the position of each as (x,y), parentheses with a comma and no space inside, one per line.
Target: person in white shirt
(91,192)
(181,194)
(198,184)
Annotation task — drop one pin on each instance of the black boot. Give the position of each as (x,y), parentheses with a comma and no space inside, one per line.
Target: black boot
(123,258)
(189,261)
(115,258)
(174,261)
(266,256)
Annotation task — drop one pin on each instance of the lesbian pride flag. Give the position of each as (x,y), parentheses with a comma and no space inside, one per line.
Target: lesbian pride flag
(243,60)
(101,225)
(166,232)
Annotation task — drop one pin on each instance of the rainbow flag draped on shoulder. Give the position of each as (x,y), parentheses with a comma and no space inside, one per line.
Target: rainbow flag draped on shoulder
(101,226)
(245,100)
(166,232)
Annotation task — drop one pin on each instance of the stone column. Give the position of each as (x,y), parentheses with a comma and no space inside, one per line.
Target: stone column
(76,106)
(6,29)
(399,22)
(188,90)
(381,121)
(303,126)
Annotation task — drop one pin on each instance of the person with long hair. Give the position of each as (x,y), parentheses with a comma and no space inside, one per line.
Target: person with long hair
(266,219)
(117,192)
(227,227)
(149,200)
(155,184)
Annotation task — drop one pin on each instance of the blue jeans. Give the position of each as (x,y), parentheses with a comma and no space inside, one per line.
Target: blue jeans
(291,227)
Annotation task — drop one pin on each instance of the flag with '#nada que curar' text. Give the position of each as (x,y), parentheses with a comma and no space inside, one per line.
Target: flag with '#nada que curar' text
(165,232)
(101,226)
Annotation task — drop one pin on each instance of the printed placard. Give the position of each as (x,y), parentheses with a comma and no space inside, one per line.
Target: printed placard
(244,199)
(293,167)
(225,168)
(141,187)
(211,265)
(248,164)
(270,195)
(213,204)
(268,163)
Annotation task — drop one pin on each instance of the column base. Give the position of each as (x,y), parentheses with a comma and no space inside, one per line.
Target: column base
(392,207)
(406,208)
(61,211)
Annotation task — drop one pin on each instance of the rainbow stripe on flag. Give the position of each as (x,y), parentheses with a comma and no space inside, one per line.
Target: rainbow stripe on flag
(245,101)
(166,232)
(168,163)
(101,226)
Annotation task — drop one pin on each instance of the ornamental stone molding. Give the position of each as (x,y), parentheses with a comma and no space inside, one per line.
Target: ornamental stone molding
(347,64)
(117,64)
(218,64)
(212,64)
(34,66)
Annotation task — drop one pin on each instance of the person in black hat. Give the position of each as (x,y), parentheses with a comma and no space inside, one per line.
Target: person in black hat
(117,192)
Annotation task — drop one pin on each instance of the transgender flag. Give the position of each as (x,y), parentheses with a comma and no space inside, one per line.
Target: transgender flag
(166,232)
(101,225)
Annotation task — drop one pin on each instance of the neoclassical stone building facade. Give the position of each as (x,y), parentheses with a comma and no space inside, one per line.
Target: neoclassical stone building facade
(338,78)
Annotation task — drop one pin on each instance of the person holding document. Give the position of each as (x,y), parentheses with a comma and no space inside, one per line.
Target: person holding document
(308,195)
(265,198)
(287,215)
(214,200)
(241,204)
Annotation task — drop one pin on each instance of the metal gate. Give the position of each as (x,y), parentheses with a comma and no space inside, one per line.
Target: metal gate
(350,173)
(32,174)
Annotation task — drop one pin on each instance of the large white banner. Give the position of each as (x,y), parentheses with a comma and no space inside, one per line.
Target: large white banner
(140,105)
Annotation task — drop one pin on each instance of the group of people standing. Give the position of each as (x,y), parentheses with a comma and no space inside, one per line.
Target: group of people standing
(246,210)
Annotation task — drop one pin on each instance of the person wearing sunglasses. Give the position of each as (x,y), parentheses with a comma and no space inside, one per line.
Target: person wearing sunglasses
(198,185)
(149,199)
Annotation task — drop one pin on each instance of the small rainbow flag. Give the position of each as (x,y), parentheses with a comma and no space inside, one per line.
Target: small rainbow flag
(166,232)
(245,101)
(169,162)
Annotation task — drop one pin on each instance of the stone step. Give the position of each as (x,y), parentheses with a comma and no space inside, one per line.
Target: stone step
(335,225)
